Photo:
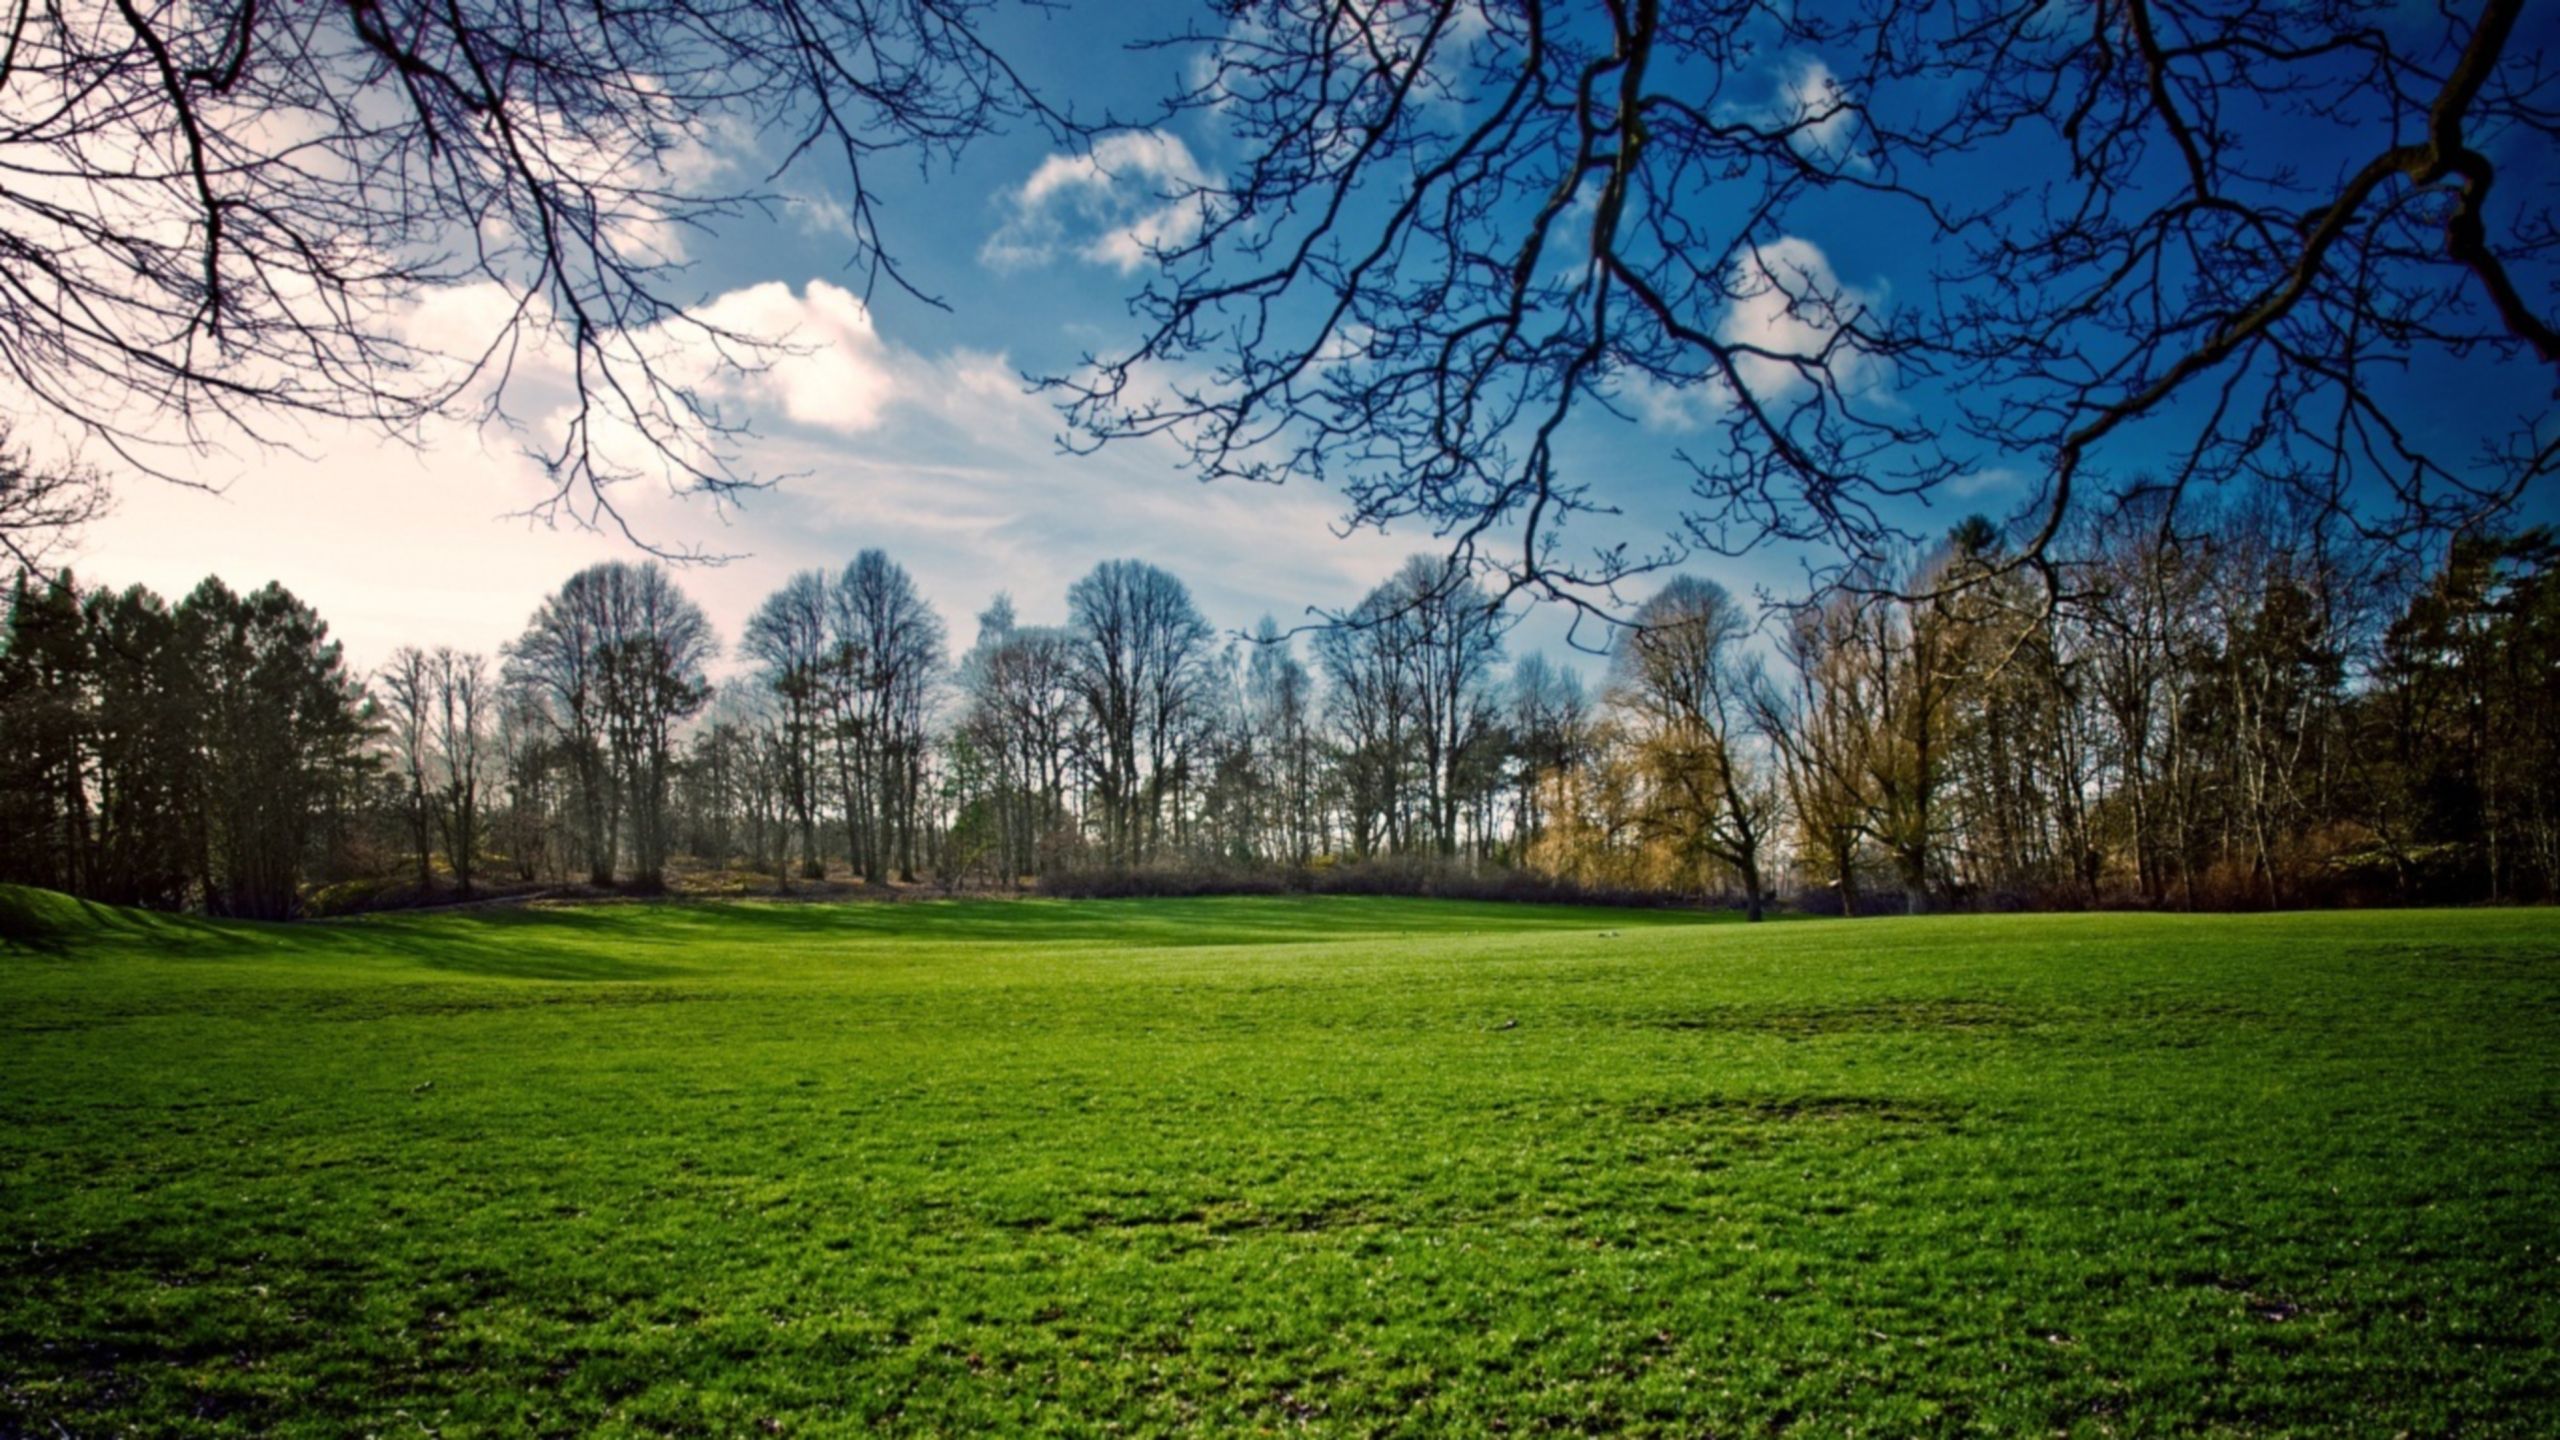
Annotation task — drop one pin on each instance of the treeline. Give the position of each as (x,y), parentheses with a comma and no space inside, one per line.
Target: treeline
(2240,714)
(2247,713)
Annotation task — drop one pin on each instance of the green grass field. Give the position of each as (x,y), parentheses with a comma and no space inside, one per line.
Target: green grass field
(1342,1166)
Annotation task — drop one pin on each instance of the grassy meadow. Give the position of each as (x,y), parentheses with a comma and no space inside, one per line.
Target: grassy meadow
(1336,1166)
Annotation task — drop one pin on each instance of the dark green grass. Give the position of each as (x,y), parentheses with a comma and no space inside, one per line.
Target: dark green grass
(1259,1165)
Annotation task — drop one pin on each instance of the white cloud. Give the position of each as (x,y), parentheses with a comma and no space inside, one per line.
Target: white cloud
(1132,194)
(763,355)
(1787,305)
(821,215)
(827,366)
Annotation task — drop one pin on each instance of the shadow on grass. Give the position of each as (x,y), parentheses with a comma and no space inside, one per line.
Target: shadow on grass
(657,940)
(601,943)
(549,945)
(46,922)
(456,956)
(1217,920)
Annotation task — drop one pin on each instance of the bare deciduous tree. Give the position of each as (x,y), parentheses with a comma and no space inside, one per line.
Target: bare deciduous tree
(1024,711)
(787,638)
(1140,646)
(1685,671)
(613,662)
(464,702)
(406,687)
(1548,716)
(886,655)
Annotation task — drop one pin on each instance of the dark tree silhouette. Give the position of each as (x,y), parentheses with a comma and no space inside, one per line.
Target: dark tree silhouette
(613,663)
(1139,647)
(1022,716)
(886,654)
(787,640)
(274,723)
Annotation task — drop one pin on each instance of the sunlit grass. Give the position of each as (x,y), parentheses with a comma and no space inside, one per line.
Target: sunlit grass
(1357,1166)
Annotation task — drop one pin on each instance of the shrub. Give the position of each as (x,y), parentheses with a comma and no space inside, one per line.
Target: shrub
(1398,875)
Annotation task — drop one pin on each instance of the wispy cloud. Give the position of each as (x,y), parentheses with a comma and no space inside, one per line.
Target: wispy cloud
(938,456)
(1668,407)
(1133,194)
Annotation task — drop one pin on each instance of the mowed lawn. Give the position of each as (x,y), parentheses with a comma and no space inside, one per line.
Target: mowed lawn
(1251,1166)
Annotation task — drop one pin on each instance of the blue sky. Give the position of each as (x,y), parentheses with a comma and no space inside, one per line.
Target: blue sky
(906,427)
